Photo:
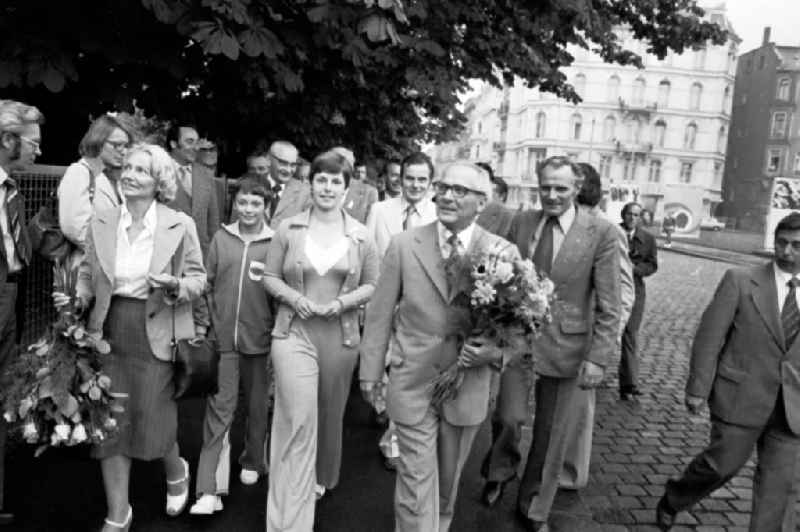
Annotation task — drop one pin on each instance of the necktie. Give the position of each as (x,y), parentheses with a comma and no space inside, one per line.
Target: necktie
(453,242)
(185,173)
(407,212)
(276,197)
(543,254)
(790,314)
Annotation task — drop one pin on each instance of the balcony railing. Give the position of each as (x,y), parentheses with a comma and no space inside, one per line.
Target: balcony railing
(637,109)
(633,147)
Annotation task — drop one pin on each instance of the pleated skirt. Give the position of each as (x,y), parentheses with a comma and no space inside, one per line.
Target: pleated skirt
(148,427)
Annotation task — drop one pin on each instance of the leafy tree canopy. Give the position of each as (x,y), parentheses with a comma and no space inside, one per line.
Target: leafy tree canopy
(376,75)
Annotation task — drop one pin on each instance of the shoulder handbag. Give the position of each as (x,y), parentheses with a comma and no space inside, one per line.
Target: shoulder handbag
(47,239)
(195,362)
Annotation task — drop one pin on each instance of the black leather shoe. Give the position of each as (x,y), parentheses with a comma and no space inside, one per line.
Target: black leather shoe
(381,420)
(493,492)
(6,518)
(390,462)
(629,393)
(665,516)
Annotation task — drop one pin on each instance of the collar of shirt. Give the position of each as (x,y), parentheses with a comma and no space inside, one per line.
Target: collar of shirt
(3,176)
(150,218)
(464,237)
(404,204)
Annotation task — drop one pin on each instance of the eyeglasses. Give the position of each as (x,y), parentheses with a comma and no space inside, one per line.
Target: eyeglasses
(119,145)
(457,190)
(35,144)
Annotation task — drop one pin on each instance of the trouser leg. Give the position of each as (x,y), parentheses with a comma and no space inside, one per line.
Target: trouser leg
(255,385)
(416,494)
(575,472)
(8,350)
(220,409)
(455,443)
(629,361)
(510,413)
(293,440)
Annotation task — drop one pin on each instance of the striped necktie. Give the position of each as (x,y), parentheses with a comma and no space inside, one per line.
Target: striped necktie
(13,206)
(543,254)
(790,314)
(407,212)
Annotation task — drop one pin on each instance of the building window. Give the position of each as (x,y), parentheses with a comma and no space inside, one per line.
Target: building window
(535,156)
(661,133)
(686,172)
(748,66)
(690,136)
(700,59)
(797,164)
(576,123)
(663,93)
(778,129)
(761,62)
(609,128)
(722,139)
(774,158)
(580,85)
(477,151)
(612,90)
(717,173)
(628,168)
(480,127)
(541,124)
(573,156)
(654,175)
(695,94)
(638,91)
(605,166)
(726,100)
(784,88)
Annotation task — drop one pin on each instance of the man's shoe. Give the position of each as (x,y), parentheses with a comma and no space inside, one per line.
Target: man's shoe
(380,420)
(248,477)
(206,505)
(665,516)
(391,462)
(629,393)
(493,492)
(6,518)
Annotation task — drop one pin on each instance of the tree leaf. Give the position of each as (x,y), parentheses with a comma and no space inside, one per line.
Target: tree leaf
(230,46)
(319,13)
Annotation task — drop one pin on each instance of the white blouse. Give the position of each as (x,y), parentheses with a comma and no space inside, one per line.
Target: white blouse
(133,258)
(324,258)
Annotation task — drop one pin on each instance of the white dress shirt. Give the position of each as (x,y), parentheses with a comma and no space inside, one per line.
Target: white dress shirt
(559,230)
(464,238)
(133,258)
(14,263)
(781,284)
(410,212)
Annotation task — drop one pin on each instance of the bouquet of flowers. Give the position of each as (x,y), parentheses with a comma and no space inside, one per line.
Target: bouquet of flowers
(509,302)
(56,388)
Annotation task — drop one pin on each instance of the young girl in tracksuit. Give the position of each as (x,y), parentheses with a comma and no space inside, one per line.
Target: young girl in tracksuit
(243,322)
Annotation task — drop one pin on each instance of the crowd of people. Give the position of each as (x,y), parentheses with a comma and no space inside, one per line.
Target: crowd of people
(318,275)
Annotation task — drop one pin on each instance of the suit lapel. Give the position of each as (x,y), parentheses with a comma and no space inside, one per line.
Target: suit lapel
(290,191)
(765,298)
(426,249)
(394,217)
(197,192)
(169,234)
(526,232)
(105,240)
(573,246)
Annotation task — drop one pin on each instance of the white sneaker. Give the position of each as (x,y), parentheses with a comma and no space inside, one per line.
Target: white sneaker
(206,505)
(319,490)
(248,477)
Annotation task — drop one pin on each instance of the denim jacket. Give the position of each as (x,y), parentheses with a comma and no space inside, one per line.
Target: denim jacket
(285,262)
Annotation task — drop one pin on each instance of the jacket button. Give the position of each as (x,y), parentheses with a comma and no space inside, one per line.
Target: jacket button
(347,342)
(151,315)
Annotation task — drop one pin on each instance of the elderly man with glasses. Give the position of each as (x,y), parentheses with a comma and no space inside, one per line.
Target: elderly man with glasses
(20,140)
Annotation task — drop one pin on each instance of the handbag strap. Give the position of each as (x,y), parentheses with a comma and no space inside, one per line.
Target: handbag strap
(92,180)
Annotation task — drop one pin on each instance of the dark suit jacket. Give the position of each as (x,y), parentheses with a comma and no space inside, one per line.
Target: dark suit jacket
(739,360)
(360,197)
(295,198)
(586,311)
(496,218)
(642,251)
(17,202)
(201,206)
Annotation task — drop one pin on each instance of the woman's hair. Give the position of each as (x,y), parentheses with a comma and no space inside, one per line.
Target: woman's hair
(162,168)
(92,142)
(331,162)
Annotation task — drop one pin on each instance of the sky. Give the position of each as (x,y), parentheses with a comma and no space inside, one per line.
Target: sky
(750,16)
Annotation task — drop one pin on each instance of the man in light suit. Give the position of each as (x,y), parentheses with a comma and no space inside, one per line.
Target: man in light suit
(290,196)
(196,195)
(412,208)
(746,364)
(360,196)
(579,252)
(411,315)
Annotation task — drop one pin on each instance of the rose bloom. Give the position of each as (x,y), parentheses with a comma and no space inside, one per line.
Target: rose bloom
(94,393)
(504,271)
(29,432)
(79,433)
(62,431)
(104,381)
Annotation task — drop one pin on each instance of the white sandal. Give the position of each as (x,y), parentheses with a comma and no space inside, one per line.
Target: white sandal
(124,526)
(177,503)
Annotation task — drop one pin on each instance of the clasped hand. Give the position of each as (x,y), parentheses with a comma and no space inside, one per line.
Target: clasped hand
(306,308)
(479,350)
(60,300)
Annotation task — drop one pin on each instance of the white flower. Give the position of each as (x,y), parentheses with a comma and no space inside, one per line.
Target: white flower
(504,271)
(98,435)
(61,432)
(9,417)
(29,432)
(79,433)
(110,423)
(483,294)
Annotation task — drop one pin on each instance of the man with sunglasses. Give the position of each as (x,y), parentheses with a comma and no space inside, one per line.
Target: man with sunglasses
(579,253)
(746,364)
(20,138)
(411,316)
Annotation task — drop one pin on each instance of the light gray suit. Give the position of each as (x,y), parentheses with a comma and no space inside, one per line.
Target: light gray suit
(421,336)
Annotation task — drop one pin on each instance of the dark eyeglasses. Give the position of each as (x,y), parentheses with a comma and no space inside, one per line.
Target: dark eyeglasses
(457,190)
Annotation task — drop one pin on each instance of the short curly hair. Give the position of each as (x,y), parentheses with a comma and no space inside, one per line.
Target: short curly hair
(162,168)
(14,116)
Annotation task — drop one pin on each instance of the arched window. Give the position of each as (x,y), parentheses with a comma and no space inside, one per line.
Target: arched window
(784,86)
(660,133)
(612,90)
(726,100)
(576,124)
(663,93)
(580,85)
(609,128)
(541,124)
(695,94)
(638,91)
(633,130)
(722,139)
(690,136)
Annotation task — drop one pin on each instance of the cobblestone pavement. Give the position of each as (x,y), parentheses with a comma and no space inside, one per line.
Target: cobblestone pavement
(637,447)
